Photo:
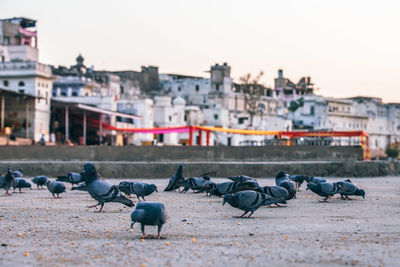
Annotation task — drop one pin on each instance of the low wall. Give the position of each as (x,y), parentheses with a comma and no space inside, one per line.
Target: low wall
(183,154)
(218,169)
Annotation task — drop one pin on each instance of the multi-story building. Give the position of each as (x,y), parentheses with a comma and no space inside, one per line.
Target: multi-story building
(20,72)
(289,91)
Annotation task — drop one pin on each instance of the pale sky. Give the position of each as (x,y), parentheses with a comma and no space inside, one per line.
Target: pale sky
(348,47)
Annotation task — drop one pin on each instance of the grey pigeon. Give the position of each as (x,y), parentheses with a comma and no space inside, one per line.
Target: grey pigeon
(80,187)
(299,180)
(72,178)
(55,187)
(233,187)
(137,188)
(325,189)
(7,181)
(315,180)
(21,183)
(40,180)
(250,201)
(194,183)
(176,179)
(101,190)
(18,173)
(283,179)
(275,191)
(149,213)
(240,178)
(349,189)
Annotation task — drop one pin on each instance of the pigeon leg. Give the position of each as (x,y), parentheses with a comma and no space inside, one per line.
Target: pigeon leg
(101,208)
(326,199)
(159,232)
(144,199)
(342,196)
(250,214)
(243,214)
(53,195)
(20,190)
(142,228)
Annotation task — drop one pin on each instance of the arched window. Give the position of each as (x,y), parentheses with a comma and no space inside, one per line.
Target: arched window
(21,84)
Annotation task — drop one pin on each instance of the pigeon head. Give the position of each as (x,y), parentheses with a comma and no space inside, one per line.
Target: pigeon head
(137,216)
(227,198)
(280,174)
(360,192)
(9,170)
(153,188)
(206,177)
(89,171)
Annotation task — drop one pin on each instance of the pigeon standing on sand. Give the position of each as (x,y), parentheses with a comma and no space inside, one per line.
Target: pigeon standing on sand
(194,183)
(21,183)
(101,190)
(149,213)
(176,179)
(283,179)
(349,189)
(7,181)
(250,201)
(325,189)
(40,181)
(233,187)
(137,188)
(55,187)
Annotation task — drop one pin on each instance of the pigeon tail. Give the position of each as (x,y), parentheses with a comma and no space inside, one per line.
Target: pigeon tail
(124,200)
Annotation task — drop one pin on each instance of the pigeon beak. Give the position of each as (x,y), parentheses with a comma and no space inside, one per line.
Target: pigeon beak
(363,197)
(132,224)
(156,190)
(307,188)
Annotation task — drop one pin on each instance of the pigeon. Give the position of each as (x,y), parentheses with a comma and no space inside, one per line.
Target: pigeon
(290,186)
(315,180)
(40,180)
(149,213)
(137,188)
(282,179)
(250,201)
(240,178)
(325,189)
(101,190)
(21,183)
(7,181)
(281,176)
(274,191)
(349,189)
(233,187)
(194,183)
(80,187)
(298,179)
(18,173)
(55,187)
(72,177)
(207,187)
(176,179)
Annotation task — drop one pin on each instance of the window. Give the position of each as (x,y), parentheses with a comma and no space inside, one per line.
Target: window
(3,59)
(197,87)
(74,94)
(6,40)
(215,116)
(63,94)
(217,87)
(179,89)
(47,98)
(38,92)
(312,110)
(5,83)
(21,84)
(241,120)
(170,118)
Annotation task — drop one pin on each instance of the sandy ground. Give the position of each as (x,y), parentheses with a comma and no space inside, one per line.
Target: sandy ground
(39,230)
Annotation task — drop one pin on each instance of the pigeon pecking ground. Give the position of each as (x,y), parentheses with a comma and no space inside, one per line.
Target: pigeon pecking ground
(39,230)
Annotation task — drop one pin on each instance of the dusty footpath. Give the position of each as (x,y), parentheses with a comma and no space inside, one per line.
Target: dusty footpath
(36,229)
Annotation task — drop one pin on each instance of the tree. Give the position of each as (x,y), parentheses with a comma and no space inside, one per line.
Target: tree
(253,89)
(294,105)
